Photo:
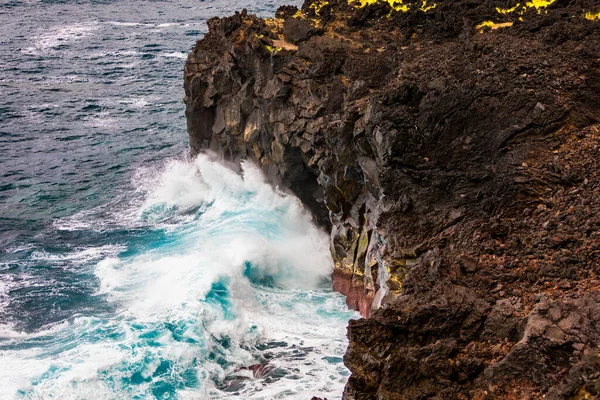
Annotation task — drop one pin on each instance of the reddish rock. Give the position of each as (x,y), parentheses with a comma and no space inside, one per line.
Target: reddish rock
(357,297)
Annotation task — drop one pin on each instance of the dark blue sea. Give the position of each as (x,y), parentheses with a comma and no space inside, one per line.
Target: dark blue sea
(127,269)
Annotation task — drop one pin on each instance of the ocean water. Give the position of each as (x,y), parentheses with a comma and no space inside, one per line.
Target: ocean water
(128,270)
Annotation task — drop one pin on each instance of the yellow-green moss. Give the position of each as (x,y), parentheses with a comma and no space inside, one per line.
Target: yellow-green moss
(349,260)
(396,5)
(343,266)
(318,6)
(521,8)
(539,4)
(592,16)
(358,274)
(272,49)
(394,283)
(425,7)
(363,243)
(395,265)
(508,10)
(493,25)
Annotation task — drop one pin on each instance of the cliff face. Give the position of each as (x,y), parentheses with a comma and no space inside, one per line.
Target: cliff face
(452,151)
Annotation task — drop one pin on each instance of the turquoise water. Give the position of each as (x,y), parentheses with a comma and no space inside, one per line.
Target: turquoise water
(223,276)
(128,270)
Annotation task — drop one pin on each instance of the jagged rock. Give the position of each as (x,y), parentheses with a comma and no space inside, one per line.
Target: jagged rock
(459,163)
(298,30)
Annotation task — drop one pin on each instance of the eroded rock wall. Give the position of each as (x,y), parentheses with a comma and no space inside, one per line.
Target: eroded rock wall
(454,162)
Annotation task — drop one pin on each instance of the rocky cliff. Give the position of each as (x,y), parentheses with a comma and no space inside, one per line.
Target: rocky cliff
(452,150)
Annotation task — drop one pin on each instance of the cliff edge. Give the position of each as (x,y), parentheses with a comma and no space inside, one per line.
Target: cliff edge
(452,150)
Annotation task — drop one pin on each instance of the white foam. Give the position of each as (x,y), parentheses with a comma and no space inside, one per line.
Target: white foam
(80,255)
(18,248)
(82,220)
(135,102)
(134,24)
(186,185)
(178,184)
(117,23)
(4,297)
(9,282)
(102,119)
(169,24)
(61,35)
(218,221)
(9,331)
(176,54)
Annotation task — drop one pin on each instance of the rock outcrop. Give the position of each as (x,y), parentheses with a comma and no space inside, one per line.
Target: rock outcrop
(452,150)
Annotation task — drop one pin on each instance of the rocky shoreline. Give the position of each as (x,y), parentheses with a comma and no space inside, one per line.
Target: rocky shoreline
(452,150)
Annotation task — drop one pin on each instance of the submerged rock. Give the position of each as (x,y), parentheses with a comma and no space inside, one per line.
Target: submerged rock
(451,149)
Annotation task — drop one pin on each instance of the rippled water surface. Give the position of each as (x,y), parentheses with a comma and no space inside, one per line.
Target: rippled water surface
(127,270)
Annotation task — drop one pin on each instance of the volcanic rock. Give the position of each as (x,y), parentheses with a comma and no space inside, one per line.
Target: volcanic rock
(451,149)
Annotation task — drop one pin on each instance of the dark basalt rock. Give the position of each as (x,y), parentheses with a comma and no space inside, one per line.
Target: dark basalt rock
(297,31)
(457,168)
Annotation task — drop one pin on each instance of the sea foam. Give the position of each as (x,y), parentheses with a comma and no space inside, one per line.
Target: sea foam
(233,300)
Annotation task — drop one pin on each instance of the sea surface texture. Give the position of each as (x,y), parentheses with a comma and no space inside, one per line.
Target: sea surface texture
(128,270)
